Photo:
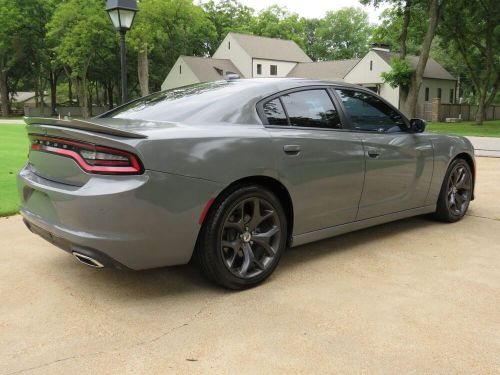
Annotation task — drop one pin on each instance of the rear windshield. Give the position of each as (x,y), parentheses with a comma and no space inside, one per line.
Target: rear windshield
(176,104)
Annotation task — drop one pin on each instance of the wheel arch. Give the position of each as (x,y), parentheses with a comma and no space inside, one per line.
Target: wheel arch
(470,161)
(270,183)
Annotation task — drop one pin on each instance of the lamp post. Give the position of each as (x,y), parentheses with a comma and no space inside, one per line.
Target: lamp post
(122,14)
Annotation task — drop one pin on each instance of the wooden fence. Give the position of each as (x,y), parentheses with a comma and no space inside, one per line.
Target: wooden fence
(442,111)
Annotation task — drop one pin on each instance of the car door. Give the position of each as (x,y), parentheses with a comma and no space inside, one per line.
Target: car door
(320,163)
(399,163)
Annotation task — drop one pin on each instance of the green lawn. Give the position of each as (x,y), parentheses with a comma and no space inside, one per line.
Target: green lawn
(13,154)
(487,129)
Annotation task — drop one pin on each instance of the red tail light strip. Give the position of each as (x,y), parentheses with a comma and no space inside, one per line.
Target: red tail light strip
(59,146)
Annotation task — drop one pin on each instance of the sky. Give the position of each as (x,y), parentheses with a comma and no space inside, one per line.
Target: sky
(314,8)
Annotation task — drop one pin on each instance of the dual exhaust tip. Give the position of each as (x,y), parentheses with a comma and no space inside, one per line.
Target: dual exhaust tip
(88,261)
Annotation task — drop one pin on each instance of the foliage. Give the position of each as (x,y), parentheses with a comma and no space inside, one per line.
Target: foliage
(470,32)
(400,73)
(13,151)
(343,34)
(226,16)
(390,27)
(278,22)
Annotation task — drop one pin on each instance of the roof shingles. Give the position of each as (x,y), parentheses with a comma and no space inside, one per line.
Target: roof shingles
(270,48)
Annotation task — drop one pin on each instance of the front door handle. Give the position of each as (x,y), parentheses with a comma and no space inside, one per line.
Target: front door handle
(373,153)
(291,149)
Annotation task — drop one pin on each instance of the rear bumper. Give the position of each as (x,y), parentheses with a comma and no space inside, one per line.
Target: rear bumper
(126,222)
(71,248)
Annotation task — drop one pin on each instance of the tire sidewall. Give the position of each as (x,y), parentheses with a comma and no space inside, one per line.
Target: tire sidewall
(212,236)
(443,201)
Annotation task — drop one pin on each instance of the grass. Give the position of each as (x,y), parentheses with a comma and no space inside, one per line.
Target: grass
(13,155)
(487,129)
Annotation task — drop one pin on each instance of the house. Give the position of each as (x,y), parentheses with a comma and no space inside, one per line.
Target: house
(248,56)
(252,56)
(437,81)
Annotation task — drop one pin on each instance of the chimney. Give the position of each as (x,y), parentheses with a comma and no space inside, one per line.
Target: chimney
(381,47)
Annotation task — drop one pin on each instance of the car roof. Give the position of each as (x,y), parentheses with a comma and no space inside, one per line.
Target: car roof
(226,101)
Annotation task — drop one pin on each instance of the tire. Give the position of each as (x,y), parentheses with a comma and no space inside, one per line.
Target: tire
(456,192)
(239,246)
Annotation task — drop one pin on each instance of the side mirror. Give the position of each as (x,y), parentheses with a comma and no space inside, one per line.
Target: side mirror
(417,125)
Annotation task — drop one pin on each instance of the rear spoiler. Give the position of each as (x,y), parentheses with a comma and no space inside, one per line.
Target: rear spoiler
(83,125)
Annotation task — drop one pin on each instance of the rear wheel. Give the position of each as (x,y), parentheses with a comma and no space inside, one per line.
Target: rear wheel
(456,192)
(243,238)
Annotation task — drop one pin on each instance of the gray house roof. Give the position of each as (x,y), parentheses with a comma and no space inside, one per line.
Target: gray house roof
(208,69)
(270,48)
(324,69)
(432,70)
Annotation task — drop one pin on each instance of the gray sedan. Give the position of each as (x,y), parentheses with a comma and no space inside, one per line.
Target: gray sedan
(230,173)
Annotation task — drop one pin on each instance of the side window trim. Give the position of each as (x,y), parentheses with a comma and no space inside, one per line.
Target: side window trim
(348,117)
(278,95)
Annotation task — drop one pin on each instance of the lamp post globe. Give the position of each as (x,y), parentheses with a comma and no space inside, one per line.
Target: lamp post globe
(122,14)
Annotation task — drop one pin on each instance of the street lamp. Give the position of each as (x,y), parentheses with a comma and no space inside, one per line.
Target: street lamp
(122,13)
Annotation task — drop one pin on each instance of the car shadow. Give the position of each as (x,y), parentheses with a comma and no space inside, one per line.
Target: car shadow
(187,279)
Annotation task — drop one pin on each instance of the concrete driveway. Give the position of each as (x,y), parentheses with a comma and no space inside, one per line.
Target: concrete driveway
(415,296)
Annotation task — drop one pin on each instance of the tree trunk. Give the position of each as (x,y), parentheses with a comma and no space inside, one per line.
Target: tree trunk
(143,70)
(70,91)
(404,31)
(110,94)
(4,91)
(478,120)
(81,89)
(53,92)
(416,82)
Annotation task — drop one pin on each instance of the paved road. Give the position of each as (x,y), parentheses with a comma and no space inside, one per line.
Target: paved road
(11,122)
(415,296)
(486,146)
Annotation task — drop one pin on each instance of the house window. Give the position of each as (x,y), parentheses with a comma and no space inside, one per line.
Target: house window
(371,65)
(451,96)
(259,68)
(274,70)
(228,45)
(426,94)
(180,69)
(439,93)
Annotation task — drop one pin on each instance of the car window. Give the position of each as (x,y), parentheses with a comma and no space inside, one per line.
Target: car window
(275,113)
(369,113)
(311,108)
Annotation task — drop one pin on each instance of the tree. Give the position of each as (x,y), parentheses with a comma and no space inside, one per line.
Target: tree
(168,28)
(413,18)
(434,13)
(471,31)
(10,53)
(278,22)
(226,16)
(342,34)
(79,29)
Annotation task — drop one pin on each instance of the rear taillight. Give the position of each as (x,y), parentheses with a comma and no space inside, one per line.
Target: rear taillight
(91,158)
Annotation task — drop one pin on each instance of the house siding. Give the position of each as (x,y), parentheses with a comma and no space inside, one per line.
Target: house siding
(284,68)
(177,79)
(362,75)
(236,54)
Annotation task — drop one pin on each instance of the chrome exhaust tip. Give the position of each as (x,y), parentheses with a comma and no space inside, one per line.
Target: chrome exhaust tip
(88,261)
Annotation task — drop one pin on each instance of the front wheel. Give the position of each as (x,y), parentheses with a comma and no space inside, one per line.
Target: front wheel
(456,192)
(243,238)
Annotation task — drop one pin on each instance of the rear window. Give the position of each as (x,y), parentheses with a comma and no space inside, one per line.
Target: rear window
(175,104)
(275,113)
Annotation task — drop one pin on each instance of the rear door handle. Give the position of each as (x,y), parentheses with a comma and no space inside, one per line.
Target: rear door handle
(291,149)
